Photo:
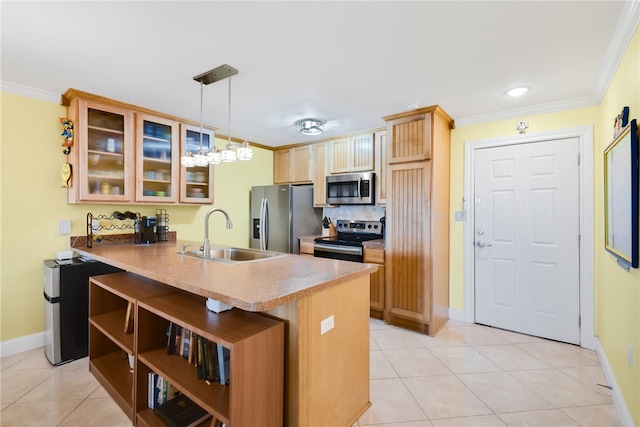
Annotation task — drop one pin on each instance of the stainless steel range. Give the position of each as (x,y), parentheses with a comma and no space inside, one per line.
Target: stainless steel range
(347,244)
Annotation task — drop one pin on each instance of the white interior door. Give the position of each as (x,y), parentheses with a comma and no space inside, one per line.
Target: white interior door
(526,225)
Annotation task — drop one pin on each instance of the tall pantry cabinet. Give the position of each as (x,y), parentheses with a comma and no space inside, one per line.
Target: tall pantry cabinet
(417,233)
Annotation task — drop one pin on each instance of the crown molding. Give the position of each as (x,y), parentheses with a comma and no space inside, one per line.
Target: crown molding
(626,27)
(550,107)
(620,39)
(18,89)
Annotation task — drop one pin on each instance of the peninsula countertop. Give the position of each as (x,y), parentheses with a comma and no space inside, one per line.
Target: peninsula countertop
(257,285)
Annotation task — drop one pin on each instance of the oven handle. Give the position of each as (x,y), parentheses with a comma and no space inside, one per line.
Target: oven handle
(347,250)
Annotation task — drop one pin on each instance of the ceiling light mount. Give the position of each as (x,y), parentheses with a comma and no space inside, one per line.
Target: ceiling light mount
(310,126)
(517,91)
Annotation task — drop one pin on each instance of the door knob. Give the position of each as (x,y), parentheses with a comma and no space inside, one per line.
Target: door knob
(482,244)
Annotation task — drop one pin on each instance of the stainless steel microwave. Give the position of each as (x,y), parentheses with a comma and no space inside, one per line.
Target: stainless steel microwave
(351,189)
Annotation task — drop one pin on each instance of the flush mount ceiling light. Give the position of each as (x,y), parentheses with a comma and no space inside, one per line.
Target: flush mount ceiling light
(517,91)
(205,157)
(310,126)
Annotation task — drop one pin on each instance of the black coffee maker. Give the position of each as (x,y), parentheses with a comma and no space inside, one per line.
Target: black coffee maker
(383,221)
(146,229)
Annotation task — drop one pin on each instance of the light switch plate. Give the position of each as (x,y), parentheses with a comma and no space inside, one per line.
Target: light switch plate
(461,215)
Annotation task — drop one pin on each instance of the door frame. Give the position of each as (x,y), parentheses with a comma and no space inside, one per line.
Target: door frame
(586,219)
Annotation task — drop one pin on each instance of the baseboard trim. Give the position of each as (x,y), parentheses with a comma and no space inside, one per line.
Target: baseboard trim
(457,314)
(20,344)
(618,399)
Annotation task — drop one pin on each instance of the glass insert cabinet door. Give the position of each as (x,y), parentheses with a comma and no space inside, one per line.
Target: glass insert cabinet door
(105,160)
(196,182)
(157,157)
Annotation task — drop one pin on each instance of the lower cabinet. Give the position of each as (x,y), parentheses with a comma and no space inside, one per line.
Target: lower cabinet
(376,287)
(254,344)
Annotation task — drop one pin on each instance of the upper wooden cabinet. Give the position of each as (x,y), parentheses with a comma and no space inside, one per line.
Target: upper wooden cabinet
(196,183)
(411,133)
(352,154)
(381,167)
(293,165)
(102,157)
(319,175)
(127,154)
(157,159)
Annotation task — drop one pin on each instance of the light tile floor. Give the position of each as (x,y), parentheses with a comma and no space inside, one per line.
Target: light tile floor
(467,375)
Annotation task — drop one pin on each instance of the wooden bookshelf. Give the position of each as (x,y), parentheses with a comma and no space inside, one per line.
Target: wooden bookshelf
(255,393)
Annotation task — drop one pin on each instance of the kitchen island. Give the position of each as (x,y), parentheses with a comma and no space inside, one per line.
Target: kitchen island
(325,304)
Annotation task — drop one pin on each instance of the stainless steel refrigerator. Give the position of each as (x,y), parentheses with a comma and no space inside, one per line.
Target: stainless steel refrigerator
(282,213)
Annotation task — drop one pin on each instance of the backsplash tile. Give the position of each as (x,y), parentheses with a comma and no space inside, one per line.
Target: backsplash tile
(355,213)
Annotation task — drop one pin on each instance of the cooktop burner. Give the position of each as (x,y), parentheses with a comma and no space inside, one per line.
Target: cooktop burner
(353,233)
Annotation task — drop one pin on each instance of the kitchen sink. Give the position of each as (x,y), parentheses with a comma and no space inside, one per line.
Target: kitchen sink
(233,255)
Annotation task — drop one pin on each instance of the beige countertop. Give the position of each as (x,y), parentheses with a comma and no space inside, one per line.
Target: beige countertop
(253,286)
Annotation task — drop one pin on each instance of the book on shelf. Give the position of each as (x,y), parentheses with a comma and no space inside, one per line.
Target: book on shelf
(128,318)
(184,343)
(181,412)
(224,361)
(174,338)
(159,391)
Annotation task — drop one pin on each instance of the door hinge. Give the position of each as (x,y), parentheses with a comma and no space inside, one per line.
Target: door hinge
(579,240)
(579,321)
(578,159)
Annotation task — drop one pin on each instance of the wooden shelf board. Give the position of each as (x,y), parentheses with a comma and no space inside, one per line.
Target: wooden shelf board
(112,325)
(225,328)
(213,398)
(119,384)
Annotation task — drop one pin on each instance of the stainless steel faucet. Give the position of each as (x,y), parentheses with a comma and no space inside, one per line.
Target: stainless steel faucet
(207,244)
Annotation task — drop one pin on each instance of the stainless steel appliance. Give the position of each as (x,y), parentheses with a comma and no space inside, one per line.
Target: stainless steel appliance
(347,243)
(66,307)
(351,189)
(280,214)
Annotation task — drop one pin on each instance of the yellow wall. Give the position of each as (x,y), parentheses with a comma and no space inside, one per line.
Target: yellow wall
(32,203)
(617,293)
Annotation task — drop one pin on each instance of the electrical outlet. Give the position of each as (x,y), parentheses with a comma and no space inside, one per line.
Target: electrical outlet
(630,354)
(326,325)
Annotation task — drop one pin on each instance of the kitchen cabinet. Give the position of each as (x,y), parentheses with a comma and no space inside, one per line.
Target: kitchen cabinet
(352,154)
(102,157)
(157,154)
(122,153)
(196,183)
(255,393)
(319,175)
(417,211)
(381,167)
(293,165)
(375,255)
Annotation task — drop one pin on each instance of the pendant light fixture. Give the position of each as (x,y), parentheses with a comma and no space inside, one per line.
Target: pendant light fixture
(228,155)
(205,157)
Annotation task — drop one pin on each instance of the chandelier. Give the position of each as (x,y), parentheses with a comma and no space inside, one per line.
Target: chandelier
(205,157)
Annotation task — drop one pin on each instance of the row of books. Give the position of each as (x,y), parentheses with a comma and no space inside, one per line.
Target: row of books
(174,408)
(212,360)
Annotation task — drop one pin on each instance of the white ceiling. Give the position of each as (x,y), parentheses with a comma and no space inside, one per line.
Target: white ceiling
(347,63)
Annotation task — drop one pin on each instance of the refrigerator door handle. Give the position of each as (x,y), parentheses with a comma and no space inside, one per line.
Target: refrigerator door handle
(263,228)
(266,225)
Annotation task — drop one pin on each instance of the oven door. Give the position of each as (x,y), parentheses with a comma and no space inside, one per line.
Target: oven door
(344,253)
